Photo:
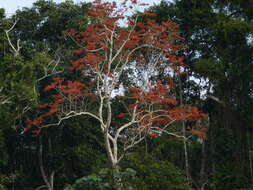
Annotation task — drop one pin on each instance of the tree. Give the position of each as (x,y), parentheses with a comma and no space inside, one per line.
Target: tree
(107,50)
(220,53)
(26,62)
(41,27)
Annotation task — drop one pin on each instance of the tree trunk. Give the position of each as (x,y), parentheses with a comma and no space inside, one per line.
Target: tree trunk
(49,182)
(187,168)
(203,180)
(212,152)
(249,154)
(203,165)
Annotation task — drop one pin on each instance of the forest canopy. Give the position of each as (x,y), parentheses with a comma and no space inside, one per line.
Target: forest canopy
(94,98)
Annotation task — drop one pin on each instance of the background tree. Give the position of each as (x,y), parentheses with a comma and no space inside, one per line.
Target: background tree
(21,77)
(220,53)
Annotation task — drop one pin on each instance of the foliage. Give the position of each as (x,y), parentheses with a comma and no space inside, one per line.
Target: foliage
(2,187)
(104,180)
(156,174)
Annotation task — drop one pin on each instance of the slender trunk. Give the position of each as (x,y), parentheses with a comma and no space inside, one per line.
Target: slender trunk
(109,150)
(114,163)
(111,147)
(187,168)
(212,151)
(203,164)
(250,154)
(203,180)
(48,182)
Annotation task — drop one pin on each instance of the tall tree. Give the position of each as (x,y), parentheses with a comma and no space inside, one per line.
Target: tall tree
(219,37)
(107,50)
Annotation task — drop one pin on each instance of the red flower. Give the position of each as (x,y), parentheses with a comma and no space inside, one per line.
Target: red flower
(41,106)
(153,134)
(121,115)
(26,129)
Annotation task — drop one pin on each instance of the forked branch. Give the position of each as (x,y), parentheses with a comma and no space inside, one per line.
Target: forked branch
(17,48)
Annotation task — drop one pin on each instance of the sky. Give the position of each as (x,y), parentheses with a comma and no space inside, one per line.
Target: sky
(11,6)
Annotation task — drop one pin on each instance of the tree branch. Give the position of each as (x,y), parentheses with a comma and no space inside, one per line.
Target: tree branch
(17,49)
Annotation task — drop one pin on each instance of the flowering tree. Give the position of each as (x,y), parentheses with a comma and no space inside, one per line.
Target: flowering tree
(107,50)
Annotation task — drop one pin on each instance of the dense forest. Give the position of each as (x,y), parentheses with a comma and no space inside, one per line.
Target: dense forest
(92,98)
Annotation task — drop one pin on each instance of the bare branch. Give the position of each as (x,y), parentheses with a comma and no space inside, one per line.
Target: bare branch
(5,100)
(75,114)
(14,49)
(216,100)
(134,143)
(124,127)
(50,70)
